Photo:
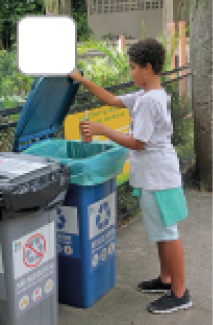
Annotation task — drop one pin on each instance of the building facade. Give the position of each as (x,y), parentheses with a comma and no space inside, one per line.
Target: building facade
(119,17)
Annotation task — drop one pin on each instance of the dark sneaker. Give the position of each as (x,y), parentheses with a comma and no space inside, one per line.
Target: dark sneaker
(169,303)
(155,285)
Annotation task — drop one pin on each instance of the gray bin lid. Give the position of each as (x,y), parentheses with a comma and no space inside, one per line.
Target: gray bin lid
(30,183)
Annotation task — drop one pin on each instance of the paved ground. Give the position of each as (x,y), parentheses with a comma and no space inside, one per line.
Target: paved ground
(137,260)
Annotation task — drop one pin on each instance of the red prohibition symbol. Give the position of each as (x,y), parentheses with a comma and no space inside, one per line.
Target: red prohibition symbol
(34,250)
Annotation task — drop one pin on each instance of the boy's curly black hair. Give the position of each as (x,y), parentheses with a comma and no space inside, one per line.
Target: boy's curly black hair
(146,51)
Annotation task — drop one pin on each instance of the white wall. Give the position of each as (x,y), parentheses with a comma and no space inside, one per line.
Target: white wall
(128,23)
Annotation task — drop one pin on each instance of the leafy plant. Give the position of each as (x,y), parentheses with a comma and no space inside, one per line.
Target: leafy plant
(11,12)
(83,30)
(183,123)
(14,87)
(143,30)
(115,60)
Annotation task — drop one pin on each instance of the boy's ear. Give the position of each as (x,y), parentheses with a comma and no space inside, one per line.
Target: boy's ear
(148,67)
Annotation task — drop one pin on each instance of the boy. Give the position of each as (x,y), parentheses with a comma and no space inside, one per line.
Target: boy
(154,167)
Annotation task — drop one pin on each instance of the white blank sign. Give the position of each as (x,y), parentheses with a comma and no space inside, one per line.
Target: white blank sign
(47,45)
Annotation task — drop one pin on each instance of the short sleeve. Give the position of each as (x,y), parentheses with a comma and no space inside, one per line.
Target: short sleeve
(129,100)
(144,119)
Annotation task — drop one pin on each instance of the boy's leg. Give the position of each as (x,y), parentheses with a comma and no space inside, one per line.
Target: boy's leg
(165,273)
(172,261)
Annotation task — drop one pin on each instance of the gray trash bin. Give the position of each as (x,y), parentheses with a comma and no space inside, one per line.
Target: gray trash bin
(30,189)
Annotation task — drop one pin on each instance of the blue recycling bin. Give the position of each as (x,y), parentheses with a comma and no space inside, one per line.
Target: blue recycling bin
(86,240)
(86,222)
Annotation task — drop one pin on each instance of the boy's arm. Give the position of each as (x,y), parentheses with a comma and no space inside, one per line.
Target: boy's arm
(99,92)
(125,140)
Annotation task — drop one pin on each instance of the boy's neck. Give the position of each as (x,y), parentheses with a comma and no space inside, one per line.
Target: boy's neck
(153,83)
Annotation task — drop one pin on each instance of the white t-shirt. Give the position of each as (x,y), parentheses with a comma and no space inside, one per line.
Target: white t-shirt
(156,167)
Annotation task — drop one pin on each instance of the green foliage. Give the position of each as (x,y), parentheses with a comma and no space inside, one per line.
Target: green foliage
(83,30)
(6,63)
(110,70)
(14,87)
(12,10)
(183,122)
(143,30)
(127,204)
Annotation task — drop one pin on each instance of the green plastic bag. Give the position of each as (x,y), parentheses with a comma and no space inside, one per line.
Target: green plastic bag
(91,163)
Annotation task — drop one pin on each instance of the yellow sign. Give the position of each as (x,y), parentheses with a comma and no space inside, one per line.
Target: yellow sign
(115,118)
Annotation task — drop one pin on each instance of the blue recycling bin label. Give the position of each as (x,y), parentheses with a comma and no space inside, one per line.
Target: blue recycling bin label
(101,230)
(67,231)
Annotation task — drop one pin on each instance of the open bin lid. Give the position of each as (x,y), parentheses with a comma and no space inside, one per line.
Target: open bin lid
(45,109)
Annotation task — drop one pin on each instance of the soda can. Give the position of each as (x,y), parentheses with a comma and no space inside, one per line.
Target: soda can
(86,138)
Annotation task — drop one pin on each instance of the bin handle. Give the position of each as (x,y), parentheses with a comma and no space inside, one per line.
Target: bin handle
(58,200)
(47,206)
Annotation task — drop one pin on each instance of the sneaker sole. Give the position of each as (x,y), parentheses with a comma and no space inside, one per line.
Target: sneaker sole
(154,290)
(168,311)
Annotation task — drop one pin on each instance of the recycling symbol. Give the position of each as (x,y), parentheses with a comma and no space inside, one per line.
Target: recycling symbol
(61,219)
(103,217)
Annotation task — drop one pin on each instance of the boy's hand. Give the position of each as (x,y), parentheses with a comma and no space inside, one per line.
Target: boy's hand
(91,128)
(76,75)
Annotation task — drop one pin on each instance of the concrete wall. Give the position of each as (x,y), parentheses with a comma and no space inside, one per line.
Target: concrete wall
(156,20)
(128,23)
(167,17)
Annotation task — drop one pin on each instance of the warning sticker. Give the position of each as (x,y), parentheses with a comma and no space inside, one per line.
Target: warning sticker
(34,250)
(34,268)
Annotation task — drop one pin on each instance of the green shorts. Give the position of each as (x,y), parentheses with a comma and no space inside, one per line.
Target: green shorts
(161,210)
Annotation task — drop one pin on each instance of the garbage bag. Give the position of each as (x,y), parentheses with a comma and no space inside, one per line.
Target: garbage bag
(91,163)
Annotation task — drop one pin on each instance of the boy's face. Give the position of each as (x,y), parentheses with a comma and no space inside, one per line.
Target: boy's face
(139,75)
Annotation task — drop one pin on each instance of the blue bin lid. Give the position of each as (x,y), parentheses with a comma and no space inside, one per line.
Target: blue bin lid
(45,109)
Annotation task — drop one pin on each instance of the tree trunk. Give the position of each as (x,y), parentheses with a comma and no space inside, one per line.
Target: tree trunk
(58,7)
(51,7)
(202,87)
(65,7)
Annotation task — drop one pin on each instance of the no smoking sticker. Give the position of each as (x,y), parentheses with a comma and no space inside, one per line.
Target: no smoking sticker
(34,268)
(34,250)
